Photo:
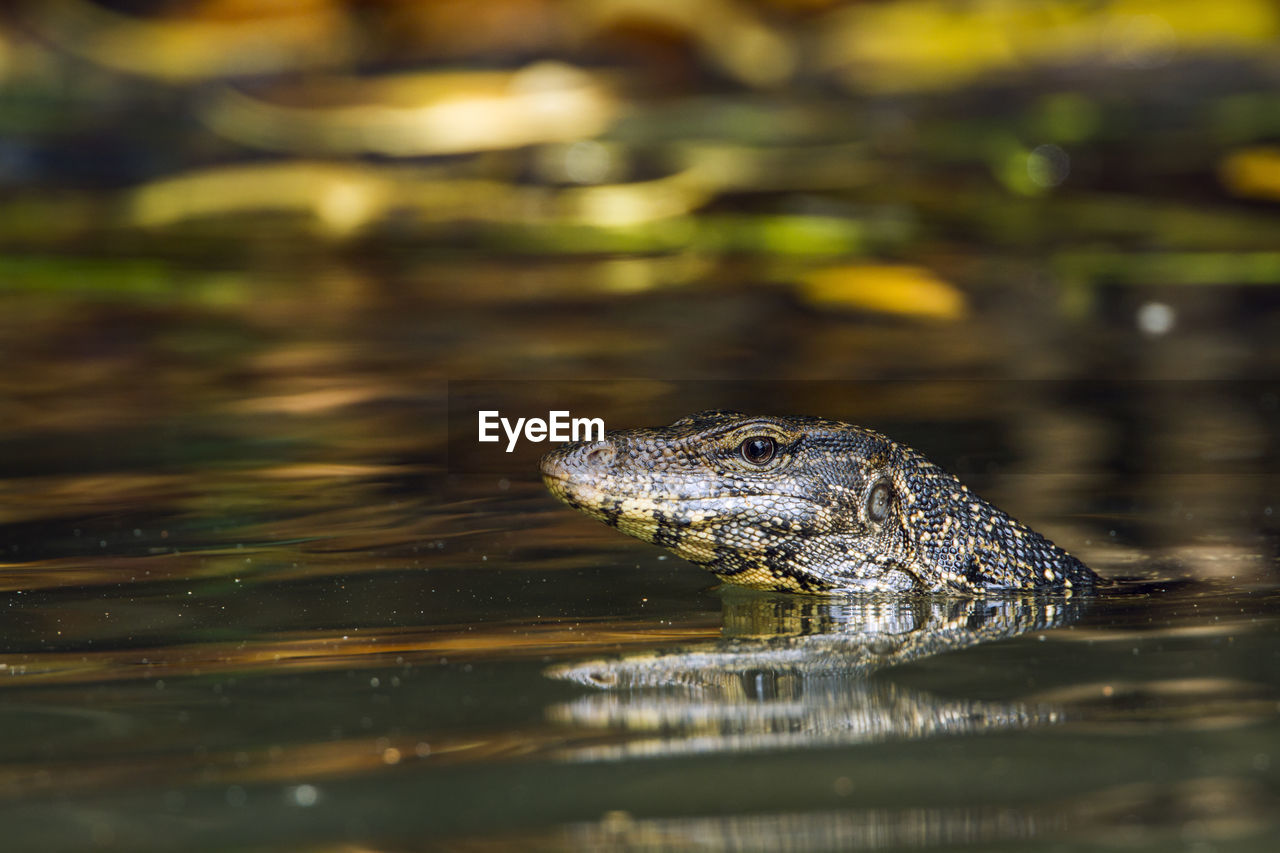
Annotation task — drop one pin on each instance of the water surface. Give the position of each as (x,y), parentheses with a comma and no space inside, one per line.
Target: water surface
(283,621)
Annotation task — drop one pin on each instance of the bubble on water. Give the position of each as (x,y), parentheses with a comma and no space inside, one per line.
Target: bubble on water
(304,795)
(1048,165)
(1156,318)
(587,162)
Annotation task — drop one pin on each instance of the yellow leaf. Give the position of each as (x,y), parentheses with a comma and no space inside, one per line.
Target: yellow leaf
(1253,173)
(884,289)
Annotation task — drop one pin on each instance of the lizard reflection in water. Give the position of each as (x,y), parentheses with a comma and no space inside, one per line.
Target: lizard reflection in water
(805,505)
(794,672)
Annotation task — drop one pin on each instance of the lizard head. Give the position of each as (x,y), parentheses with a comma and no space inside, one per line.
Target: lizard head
(797,504)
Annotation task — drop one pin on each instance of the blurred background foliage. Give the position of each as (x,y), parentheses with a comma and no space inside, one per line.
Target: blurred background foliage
(880,158)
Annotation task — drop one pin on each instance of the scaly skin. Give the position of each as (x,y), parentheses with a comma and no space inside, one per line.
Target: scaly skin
(835,507)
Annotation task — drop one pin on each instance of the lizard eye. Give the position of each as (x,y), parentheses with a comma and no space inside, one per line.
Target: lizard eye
(758,450)
(878,501)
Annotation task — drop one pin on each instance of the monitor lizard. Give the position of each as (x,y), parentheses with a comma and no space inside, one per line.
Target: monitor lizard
(798,504)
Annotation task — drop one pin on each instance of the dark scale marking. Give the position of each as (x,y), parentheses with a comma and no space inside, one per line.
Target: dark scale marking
(666,535)
(800,520)
(611,512)
(729,562)
(973,571)
(806,581)
(782,554)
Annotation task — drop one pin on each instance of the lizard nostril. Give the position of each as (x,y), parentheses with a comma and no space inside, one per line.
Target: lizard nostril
(600,456)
